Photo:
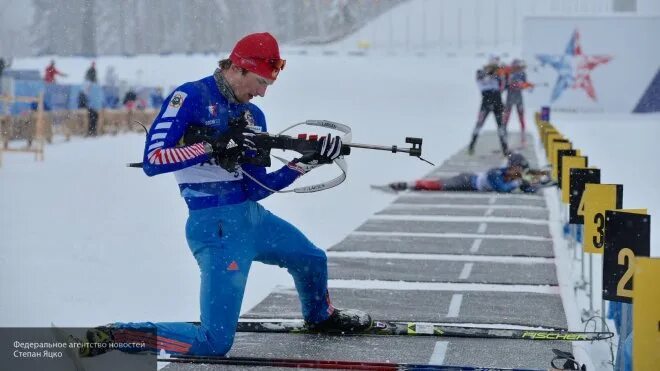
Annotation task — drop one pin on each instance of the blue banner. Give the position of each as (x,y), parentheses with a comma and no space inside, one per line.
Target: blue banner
(26,88)
(111,94)
(56,97)
(68,97)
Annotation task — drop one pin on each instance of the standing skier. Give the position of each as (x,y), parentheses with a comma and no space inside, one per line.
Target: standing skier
(491,84)
(227,229)
(516,83)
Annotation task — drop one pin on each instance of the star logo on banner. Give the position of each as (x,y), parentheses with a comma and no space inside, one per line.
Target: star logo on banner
(573,68)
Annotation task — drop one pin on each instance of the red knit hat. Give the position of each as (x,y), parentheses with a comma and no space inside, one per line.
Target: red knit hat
(258,53)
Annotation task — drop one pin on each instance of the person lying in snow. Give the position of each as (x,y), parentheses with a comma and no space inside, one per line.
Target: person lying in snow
(515,176)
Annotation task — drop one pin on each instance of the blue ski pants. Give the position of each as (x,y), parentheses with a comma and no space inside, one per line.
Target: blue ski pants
(225,240)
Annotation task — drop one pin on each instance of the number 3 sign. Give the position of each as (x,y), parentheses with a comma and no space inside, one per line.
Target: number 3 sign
(595,200)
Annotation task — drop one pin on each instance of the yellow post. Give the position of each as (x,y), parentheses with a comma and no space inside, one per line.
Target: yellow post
(40,134)
(549,142)
(554,157)
(569,162)
(39,125)
(646,314)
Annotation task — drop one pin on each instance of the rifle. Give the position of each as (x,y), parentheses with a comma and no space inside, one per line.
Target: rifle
(307,146)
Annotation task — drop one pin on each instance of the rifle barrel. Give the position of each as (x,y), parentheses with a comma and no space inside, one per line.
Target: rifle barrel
(393,149)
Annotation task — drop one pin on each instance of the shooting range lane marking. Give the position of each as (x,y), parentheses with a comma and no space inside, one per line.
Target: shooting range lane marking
(475,245)
(465,273)
(439,351)
(439,286)
(492,196)
(452,235)
(441,257)
(482,228)
(404,205)
(464,219)
(409,209)
(455,305)
(491,200)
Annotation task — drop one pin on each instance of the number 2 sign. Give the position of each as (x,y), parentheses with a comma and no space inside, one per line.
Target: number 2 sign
(627,236)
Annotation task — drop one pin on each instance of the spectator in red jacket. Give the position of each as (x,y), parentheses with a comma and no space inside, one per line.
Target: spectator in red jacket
(51,72)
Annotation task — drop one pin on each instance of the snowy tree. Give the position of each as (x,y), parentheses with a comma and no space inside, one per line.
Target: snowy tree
(129,27)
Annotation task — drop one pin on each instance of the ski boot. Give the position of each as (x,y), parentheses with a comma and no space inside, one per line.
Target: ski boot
(349,321)
(505,149)
(569,362)
(97,341)
(93,338)
(473,142)
(398,186)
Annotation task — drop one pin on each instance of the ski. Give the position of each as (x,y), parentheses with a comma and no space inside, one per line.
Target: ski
(430,329)
(384,188)
(326,364)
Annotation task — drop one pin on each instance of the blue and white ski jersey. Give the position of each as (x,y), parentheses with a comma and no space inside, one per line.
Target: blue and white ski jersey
(201,181)
(493,180)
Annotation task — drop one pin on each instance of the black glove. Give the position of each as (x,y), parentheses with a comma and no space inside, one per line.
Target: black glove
(233,144)
(230,148)
(527,187)
(328,149)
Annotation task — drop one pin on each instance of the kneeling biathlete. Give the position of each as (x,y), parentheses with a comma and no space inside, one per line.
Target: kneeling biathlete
(227,229)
